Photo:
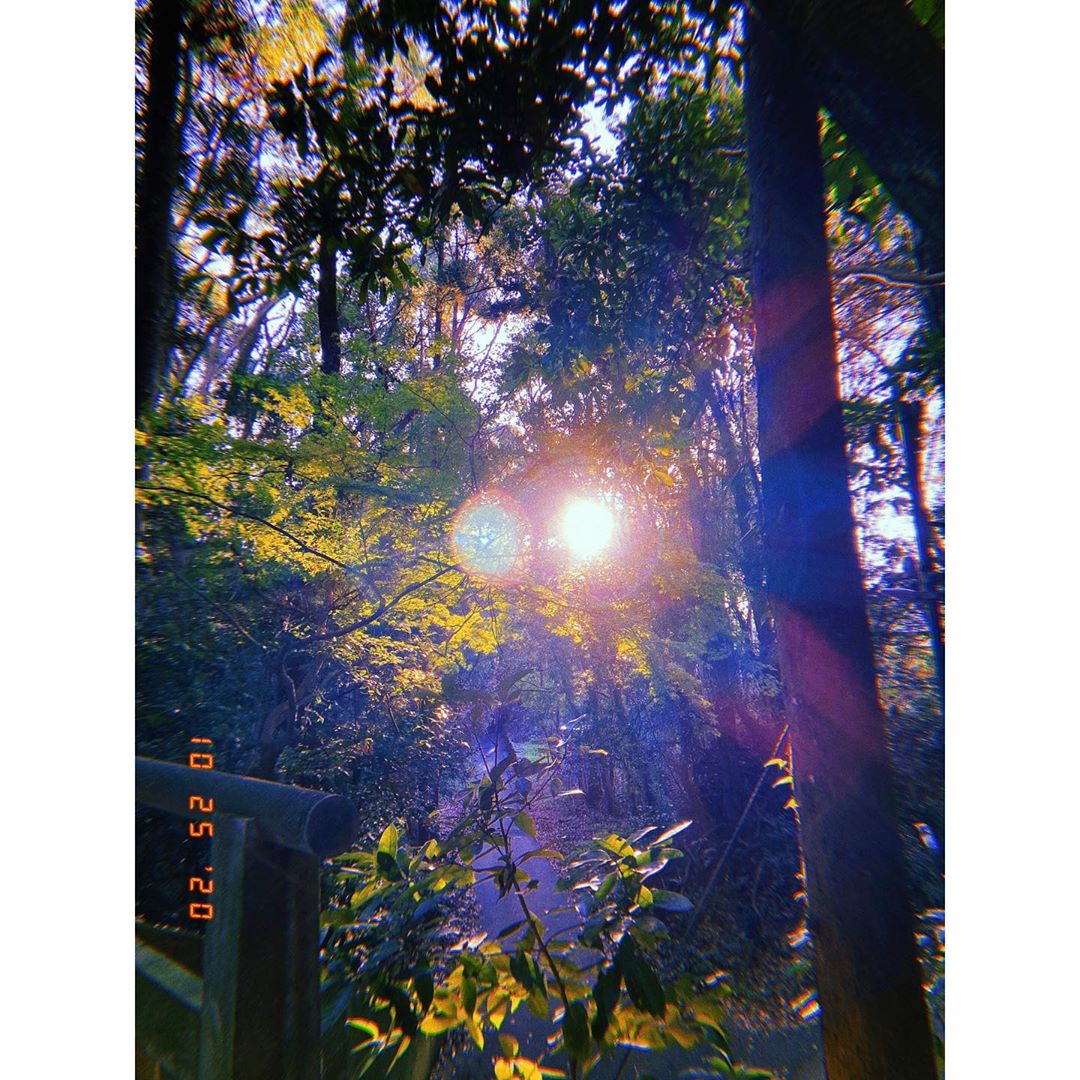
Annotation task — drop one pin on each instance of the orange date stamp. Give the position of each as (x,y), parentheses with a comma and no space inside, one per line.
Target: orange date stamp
(201,886)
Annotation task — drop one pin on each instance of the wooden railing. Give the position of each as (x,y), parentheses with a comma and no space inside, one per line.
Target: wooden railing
(244,1006)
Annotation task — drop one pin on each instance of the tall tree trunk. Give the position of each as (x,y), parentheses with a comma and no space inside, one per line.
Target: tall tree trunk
(911,426)
(873,1014)
(154,270)
(740,485)
(329,324)
(881,74)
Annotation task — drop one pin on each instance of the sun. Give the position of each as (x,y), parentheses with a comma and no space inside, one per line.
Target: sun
(587,527)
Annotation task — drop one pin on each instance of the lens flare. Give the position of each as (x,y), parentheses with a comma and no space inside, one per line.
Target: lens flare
(489,537)
(587,527)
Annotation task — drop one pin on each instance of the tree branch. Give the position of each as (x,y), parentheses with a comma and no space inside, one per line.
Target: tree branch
(891,275)
(235,511)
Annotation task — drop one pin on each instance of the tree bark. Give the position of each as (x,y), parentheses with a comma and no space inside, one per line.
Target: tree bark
(911,425)
(873,1014)
(154,270)
(742,494)
(329,325)
(881,74)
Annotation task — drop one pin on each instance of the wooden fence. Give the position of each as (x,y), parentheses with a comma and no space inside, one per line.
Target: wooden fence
(242,1004)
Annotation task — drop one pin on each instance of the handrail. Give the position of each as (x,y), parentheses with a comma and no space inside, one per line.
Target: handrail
(297,818)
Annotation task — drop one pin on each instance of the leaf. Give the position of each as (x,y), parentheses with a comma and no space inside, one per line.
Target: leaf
(542,853)
(671,901)
(606,996)
(572,791)
(521,970)
(616,845)
(673,831)
(387,866)
(404,1016)
(368,1027)
(604,891)
(424,985)
(433,1024)
(524,822)
(508,1045)
(641,982)
(575,1031)
(475,1031)
(388,842)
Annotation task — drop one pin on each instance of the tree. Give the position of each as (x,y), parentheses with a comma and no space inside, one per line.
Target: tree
(406,285)
(154,259)
(882,76)
(873,1014)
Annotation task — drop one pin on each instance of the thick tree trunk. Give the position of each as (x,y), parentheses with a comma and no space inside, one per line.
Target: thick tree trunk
(329,325)
(881,74)
(154,269)
(873,1014)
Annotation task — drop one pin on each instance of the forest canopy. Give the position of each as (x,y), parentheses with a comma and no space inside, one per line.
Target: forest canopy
(539,442)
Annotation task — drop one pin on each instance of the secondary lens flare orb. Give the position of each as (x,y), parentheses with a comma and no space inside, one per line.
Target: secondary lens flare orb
(490,536)
(587,527)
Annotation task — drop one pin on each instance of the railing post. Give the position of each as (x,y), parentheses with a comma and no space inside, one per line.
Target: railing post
(277,993)
(217,1035)
(260,974)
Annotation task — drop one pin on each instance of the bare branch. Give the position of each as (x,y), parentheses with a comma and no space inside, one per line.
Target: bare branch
(891,275)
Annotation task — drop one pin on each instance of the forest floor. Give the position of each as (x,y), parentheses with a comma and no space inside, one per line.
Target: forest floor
(565,824)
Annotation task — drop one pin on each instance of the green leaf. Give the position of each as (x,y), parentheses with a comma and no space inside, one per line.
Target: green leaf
(575,1030)
(521,970)
(641,982)
(468,994)
(387,866)
(606,996)
(670,901)
(524,822)
(388,842)
(542,853)
(424,985)
(604,891)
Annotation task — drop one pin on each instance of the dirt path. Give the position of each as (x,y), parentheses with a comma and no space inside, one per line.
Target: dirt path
(795,1054)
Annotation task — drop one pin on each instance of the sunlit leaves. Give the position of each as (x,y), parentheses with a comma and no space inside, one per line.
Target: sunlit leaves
(293,42)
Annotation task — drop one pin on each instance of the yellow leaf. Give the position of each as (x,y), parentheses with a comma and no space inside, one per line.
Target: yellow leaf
(436,1025)
(474,1030)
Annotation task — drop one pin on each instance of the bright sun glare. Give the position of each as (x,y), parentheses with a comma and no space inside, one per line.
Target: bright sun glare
(587,527)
